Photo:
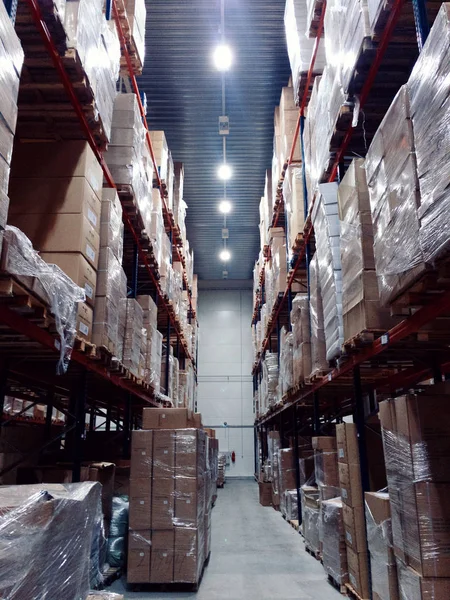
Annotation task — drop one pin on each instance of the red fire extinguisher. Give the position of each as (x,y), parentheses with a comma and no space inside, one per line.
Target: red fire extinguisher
(233,457)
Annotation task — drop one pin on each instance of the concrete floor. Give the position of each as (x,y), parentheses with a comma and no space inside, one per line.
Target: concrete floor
(255,555)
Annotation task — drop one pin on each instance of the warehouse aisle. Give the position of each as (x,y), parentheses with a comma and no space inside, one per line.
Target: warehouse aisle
(255,555)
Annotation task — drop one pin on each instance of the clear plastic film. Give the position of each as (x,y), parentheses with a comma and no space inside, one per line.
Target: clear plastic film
(12,57)
(334,553)
(310,516)
(382,559)
(289,502)
(111,224)
(318,348)
(270,379)
(286,366)
(297,22)
(133,334)
(393,188)
(118,530)
(170,502)
(286,475)
(49,283)
(64,517)
(430,111)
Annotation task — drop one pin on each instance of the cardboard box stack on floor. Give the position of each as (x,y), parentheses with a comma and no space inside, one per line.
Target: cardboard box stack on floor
(310,517)
(353,507)
(381,547)
(287,477)
(334,554)
(170,499)
(360,297)
(65,224)
(417,451)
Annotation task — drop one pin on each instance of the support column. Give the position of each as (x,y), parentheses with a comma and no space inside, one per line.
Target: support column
(297,467)
(79,431)
(127,427)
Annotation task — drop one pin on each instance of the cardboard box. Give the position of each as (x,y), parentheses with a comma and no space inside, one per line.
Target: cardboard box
(60,233)
(163,453)
(195,420)
(141,454)
(190,451)
(139,553)
(77,268)
(164,418)
(140,504)
(163,503)
(415,587)
(355,528)
(56,195)
(57,159)
(358,572)
(347,443)
(189,500)
(188,555)
(104,473)
(162,560)
(85,318)
(350,484)
(325,443)
(265,493)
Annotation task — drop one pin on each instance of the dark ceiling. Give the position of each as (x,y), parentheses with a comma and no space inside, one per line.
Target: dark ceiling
(184,98)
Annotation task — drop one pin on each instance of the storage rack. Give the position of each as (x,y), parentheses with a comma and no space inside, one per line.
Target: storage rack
(396,361)
(95,384)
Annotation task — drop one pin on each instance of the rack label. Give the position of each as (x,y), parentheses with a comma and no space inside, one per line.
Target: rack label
(89,290)
(92,217)
(83,328)
(90,252)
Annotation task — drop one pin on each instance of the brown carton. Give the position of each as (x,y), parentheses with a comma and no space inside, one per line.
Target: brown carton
(164,418)
(347,443)
(77,268)
(190,449)
(358,572)
(58,159)
(188,555)
(350,483)
(161,569)
(189,496)
(141,454)
(60,233)
(265,493)
(140,504)
(416,587)
(139,551)
(163,453)
(326,443)
(85,317)
(355,528)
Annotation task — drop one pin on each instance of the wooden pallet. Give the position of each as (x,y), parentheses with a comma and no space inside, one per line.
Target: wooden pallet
(361,339)
(340,587)
(313,553)
(314,25)
(350,591)
(294,524)
(317,376)
(424,289)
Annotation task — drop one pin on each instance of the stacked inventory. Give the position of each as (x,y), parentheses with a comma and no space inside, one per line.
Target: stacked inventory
(154,339)
(170,500)
(334,554)
(353,507)
(287,480)
(301,332)
(415,437)
(134,334)
(221,467)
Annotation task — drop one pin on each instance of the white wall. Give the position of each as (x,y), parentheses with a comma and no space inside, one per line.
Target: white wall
(225,390)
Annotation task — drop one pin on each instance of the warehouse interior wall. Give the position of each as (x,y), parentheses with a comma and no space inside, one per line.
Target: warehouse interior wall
(225,389)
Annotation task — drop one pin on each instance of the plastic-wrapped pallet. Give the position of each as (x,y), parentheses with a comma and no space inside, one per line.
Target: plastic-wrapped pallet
(327,229)
(294,203)
(137,16)
(360,297)
(66,518)
(430,111)
(334,552)
(116,553)
(270,379)
(310,516)
(98,47)
(49,283)
(287,479)
(299,46)
(301,332)
(133,335)
(291,505)
(286,366)
(128,156)
(318,349)
(394,198)
(379,538)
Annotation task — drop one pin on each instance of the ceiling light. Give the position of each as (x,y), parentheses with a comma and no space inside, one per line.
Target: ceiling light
(223,57)
(225,255)
(225,207)
(224,172)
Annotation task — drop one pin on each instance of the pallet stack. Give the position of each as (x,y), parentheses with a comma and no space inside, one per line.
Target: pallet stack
(170,500)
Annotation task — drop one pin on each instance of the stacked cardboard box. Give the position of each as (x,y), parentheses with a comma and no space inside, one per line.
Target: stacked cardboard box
(301,333)
(152,352)
(12,60)
(274,445)
(133,335)
(128,157)
(319,361)
(285,381)
(310,517)
(287,477)
(360,297)
(169,500)
(265,493)
(327,229)
(353,509)
(294,203)
(379,534)
(137,15)
(334,553)
(326,466)
(296,23)
(417,451)
(65,224)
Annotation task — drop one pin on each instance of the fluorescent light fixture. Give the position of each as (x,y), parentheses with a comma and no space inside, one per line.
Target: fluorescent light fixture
(223,57)
(224,172)
(225,255)
(225,207)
